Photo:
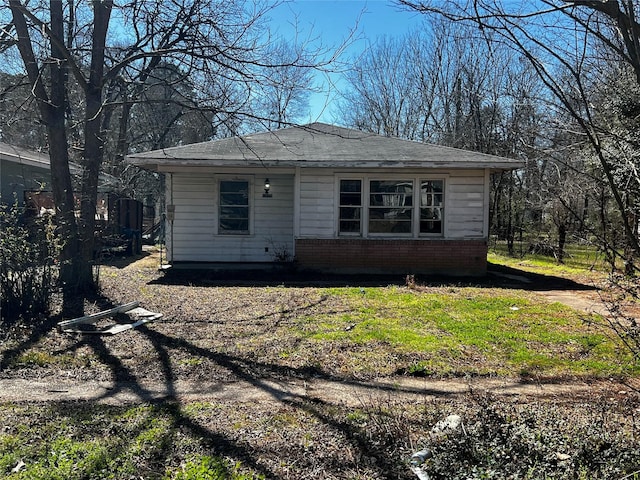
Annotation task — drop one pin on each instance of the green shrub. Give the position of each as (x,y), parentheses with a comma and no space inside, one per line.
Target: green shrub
(28,270)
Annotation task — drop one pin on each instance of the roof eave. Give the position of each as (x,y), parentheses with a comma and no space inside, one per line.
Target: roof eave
(176,164)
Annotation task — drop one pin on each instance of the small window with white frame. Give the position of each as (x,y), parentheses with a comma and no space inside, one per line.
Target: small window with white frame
(233,213)
(350,210)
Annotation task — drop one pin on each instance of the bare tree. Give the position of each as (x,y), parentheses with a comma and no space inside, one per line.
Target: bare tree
(383,95)
(445,84)
(19,122)
(85,60)
(282,96)
(570,45)
(438,84)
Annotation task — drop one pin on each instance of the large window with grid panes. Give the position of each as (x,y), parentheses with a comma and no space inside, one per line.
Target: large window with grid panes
(410,207)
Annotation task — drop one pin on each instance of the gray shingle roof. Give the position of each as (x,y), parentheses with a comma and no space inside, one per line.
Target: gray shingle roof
(24,156)
(33,158)
(318,145)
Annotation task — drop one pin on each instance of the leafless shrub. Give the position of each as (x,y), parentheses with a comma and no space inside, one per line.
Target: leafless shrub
(28,268)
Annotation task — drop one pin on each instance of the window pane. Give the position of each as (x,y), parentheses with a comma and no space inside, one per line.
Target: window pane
(391,193)
(350,199)
(389,226)
(238,225)
(234,212)
(390,220)
(432,203)
(227,186)
(349,226)
(233,199)
(430,226)
(431,189)
(234,207)
(430,214)
(390,206)
(350,207)
(432,186)
(350,213)
(353,186)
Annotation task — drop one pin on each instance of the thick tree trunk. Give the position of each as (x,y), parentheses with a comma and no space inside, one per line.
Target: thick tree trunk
(93,144)
(77,252)
(94,138)
(93,153)
(65,216)
(55,118)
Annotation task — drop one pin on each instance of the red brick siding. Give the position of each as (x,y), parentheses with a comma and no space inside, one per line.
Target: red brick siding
(450,257)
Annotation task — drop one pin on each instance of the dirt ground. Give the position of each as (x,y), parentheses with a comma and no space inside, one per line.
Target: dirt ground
(349,394)
(172,359)
(219,370)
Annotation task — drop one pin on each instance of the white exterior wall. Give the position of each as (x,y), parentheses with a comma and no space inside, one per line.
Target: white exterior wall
(192,236)
(317,209)
(466,194)
(465,205)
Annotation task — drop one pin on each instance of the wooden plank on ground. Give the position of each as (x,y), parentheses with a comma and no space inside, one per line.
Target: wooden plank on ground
(121,327)
(139,314)
(94,317)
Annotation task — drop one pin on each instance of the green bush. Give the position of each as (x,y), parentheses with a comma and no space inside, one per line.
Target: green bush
(28,269)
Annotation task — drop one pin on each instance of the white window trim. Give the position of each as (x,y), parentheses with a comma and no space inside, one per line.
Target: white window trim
(362,207)
(251,193)
(443,208)
(415,219)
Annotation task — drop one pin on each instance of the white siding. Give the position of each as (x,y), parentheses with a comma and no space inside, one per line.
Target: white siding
(464,208)
(194,235)
(317,209)
(195,196)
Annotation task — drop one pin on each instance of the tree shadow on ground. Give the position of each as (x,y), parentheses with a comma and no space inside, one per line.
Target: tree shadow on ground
(271,277)
(502,276)
(38,329)
(264,377)
(125,379)
(260,375)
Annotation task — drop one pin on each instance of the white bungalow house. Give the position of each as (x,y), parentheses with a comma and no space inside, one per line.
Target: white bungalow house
(330,198)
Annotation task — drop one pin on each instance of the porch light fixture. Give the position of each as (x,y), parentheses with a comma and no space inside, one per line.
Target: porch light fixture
(267,186)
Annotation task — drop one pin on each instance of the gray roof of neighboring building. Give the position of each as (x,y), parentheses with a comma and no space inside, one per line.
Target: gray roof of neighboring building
(33,158)
(318,145)
(24,156)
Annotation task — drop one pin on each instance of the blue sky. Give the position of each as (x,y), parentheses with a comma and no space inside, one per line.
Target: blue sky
(331,22)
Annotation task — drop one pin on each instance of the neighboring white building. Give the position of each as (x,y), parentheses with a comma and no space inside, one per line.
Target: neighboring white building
(331,198)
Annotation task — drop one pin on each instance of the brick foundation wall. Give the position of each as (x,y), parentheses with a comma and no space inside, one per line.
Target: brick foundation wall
(425,256)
